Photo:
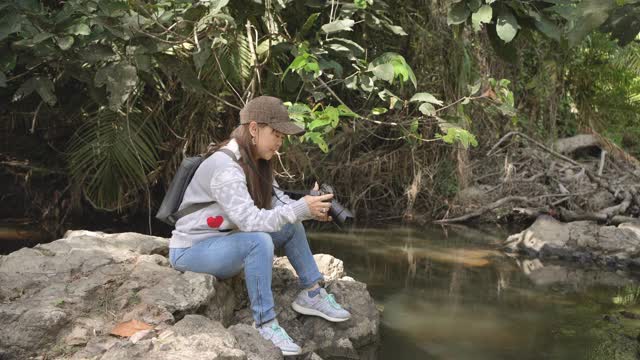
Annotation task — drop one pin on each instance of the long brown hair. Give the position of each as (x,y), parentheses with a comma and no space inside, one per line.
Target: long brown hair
(259,172)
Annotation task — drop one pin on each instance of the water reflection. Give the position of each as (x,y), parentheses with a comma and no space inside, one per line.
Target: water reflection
(454,295)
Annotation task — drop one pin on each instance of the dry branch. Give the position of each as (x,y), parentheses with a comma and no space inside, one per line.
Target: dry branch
(539,176)
(483,210)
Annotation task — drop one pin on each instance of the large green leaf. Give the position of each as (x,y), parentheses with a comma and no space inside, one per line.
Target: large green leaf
(425,97)
(401,69)
(354,46)
(113,8)
(9,24)
(458,13)
(120,78)
(546,25)
(384,72)
(427,109)
(65,42)
(309,23)
(483,15)
(398,30)
(455,134)
(182,69)
(330,65)
(97,52)
(200,58)
(507,25)
(79,29)
(42,85)
(318,140)
(338,25)
(590,15)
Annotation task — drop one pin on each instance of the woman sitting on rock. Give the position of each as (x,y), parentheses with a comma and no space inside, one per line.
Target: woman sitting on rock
(250,218)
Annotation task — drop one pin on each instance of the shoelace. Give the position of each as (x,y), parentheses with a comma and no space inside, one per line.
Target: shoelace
(332,301)
(280,331)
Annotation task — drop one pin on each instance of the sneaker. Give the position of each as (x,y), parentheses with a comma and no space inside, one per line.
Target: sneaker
(322,304)
(276,334)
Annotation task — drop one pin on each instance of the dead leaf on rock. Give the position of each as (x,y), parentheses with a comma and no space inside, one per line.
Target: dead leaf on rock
(128,328)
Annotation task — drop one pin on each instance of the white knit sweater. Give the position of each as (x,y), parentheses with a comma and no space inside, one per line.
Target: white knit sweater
(222,180)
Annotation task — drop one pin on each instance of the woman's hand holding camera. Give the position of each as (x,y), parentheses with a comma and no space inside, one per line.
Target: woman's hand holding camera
(319,205)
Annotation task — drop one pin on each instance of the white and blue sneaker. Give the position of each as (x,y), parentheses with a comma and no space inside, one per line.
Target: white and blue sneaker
(320,303)
(275,333)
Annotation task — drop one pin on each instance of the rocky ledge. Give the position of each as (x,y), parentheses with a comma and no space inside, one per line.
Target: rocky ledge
(582,241)
(62,300)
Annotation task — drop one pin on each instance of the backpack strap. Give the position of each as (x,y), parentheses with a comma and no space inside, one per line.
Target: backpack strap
(230,154)
(195,207)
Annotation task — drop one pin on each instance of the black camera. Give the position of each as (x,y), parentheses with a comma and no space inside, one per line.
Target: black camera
(339,213)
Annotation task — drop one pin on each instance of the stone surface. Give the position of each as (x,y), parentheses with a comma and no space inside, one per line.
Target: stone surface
(582,241)
(61,300)
(254,345)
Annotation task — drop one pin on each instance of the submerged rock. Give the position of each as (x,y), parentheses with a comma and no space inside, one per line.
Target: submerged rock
(62,299)
(582,241)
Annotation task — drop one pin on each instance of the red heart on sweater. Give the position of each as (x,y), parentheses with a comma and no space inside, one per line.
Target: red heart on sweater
(214,222)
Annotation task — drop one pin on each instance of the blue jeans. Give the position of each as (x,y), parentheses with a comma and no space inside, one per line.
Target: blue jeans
(225,256)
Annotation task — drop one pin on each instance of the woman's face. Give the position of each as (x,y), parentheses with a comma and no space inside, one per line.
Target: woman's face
(268,141)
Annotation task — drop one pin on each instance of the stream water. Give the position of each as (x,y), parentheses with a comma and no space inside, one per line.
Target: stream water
(453,295)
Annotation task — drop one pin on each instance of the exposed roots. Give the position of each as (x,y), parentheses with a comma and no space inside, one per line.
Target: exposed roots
(526,178)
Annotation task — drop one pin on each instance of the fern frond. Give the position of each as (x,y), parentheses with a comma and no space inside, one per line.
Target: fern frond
(628,58)
(110,156)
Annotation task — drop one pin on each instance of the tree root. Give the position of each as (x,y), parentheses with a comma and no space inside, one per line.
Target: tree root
(527,175)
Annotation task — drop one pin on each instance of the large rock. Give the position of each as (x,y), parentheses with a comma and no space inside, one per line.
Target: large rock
(62,299)
(583,241)
(350,339)
(193,337)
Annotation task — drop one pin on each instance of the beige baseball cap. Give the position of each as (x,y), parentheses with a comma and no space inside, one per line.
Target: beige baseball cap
(270,110)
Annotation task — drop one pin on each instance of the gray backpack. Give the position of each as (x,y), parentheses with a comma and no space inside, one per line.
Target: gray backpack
(168,212)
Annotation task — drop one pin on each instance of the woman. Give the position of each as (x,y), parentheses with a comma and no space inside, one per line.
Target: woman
(246,222)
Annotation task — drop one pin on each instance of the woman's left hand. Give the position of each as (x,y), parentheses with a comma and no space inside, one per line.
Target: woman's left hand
(324,216)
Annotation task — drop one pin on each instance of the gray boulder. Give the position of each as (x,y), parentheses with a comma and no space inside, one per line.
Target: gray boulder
(583,241)
(193,337)
(61,301)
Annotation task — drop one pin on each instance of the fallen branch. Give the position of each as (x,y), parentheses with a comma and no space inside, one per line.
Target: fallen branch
(540,145)
(617,209)
(484,209)
(593,177)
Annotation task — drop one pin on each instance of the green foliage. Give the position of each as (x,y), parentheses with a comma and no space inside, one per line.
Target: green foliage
(604,81)
(571,20)
(175,71)
(318,121)
(304,62)
(426,102)
(627,295)
(112,155)
(454,134)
